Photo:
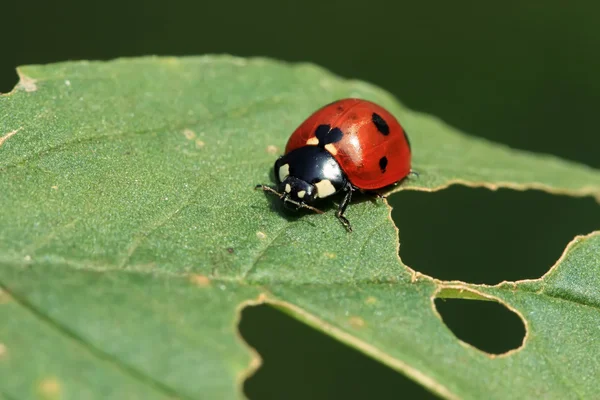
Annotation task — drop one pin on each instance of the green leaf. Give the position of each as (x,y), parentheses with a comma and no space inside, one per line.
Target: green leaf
(131,237)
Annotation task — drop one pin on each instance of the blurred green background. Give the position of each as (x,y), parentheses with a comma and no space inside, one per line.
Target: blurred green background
(523,73)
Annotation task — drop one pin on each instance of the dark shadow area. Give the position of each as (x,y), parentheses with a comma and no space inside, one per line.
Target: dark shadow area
(302,363)
(487,325)
(483,236)
(8,81)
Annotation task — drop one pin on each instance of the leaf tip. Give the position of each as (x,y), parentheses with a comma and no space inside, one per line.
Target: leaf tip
(565,254)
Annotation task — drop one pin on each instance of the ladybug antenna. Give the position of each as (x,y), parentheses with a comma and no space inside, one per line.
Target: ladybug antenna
(285,198)
(266,188)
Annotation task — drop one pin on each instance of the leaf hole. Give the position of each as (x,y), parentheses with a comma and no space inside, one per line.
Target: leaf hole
(299,362)
(487,325)
(484,236)
(8,78)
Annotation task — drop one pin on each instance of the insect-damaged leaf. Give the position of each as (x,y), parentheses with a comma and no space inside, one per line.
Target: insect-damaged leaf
(131,235)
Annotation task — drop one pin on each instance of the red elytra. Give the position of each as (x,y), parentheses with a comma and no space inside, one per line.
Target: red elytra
(374,150)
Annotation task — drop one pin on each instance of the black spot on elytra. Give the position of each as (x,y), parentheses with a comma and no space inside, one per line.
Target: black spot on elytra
(380,124)
(383,162)
(327,135)
(322,131)
(406,137)
(335,135)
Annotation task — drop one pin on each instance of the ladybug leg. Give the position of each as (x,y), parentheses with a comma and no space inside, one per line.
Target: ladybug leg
(342,208)
(414,173)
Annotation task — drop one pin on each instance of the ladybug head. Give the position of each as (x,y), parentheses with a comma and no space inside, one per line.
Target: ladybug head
(296,192)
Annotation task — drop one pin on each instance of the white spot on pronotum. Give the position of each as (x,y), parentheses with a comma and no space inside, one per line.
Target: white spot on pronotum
(8,136)
(260,235)
(288,188)
(67,82)
(331,148)
(325,188)
(313,141)
(284,171)
(301,194)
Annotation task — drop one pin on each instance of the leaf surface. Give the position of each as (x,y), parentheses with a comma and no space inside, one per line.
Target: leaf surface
(131,236)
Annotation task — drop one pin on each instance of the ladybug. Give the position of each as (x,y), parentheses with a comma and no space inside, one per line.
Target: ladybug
(346,146)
